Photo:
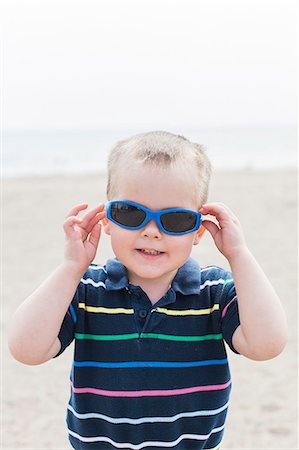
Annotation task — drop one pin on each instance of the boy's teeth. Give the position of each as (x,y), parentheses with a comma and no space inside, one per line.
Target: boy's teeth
(150,252)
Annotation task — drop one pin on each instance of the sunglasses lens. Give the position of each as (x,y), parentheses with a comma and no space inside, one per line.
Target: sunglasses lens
(127,215)
(178,222)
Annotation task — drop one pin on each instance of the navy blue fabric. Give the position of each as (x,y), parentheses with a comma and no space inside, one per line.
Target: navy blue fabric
(190,377)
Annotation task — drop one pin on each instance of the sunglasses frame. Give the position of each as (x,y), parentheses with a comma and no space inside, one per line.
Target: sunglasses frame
(153,215)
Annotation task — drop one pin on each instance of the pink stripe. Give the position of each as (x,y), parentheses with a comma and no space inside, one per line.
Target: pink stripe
(227,306)
(150,393)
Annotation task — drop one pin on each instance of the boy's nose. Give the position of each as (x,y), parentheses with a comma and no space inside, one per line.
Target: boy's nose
(151,230)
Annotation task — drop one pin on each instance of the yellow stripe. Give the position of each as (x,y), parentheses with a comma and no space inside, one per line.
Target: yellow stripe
(170,312)
(98,309)
(187,312)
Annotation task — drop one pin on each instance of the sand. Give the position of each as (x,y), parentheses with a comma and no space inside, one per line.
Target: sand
(263,410)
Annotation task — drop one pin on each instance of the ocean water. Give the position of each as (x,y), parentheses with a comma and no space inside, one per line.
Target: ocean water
(59,152)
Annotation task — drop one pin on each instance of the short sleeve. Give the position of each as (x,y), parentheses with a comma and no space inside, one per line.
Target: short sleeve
(228,308)
(67,330)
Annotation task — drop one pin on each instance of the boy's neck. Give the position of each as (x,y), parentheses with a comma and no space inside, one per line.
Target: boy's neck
(154,289)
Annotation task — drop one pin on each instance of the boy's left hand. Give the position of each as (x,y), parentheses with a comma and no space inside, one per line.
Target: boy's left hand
(227,234)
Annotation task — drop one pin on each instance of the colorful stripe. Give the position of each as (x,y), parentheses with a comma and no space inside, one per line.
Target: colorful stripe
(73,313)
(93,283)
(96,267)
(170,337)
(170,312)
(151,392)
(205,268)
(135,364)
(142,420)
(232,289)
(227,306)
(167,337)
(101,310)
(156,444)
(216,282)
(187,312)
(212,283)
(107,337)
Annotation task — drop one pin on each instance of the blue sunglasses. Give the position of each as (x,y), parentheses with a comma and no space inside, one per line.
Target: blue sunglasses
(132,216)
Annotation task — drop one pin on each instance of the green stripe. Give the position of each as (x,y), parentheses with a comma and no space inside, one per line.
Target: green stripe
(169,337)
(107,337)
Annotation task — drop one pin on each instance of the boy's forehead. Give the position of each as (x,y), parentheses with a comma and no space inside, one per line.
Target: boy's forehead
(139,169)
(148,184)
(132,167)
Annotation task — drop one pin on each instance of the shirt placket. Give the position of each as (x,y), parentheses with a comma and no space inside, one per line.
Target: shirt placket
(144,312)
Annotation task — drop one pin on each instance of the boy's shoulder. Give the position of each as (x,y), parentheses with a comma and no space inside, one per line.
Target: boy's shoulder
(94,274)
(217,279)
(112,275)
(97,269)
(213,272)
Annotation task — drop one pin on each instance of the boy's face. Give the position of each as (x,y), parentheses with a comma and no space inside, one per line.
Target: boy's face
(156,189)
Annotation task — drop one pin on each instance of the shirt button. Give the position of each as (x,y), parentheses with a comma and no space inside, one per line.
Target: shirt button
(142,313)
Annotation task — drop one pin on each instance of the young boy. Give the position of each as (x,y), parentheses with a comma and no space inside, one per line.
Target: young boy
(150,367)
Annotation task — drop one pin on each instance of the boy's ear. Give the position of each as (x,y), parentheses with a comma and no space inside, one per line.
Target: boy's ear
(106,225)
(199,234)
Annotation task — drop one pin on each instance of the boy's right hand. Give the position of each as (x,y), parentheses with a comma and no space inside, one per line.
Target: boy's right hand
(82,236)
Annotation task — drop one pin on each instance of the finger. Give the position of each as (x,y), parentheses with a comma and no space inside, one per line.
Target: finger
(217,206)
(91,214)
(94,221)
(218,210)
(76,209)
(71,221)
(212,227)
(95,234)
(69,227)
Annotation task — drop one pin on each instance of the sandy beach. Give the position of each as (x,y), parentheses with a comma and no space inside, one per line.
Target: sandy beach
(263,410)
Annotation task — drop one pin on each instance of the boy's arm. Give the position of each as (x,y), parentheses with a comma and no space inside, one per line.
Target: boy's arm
(34,329)
(36,323)
(262,333)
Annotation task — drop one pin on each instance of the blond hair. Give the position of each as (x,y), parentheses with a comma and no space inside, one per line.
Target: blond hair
(163,149)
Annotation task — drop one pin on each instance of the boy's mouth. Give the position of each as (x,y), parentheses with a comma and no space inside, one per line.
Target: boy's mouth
(146,251)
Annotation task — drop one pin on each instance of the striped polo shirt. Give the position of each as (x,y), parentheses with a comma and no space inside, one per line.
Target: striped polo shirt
(150,376)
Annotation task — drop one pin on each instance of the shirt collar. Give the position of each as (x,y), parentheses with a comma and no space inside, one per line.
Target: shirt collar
(117,275)
(186,281)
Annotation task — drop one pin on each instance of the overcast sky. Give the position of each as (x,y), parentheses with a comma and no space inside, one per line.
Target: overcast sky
(135,63)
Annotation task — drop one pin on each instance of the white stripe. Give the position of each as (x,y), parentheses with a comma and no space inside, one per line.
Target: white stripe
(204,269)
(98,268)
(195,437)
(202,286)
(115,420)
(95,284)
(212,283)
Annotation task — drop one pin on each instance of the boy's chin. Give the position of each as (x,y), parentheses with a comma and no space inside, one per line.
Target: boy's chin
(151,273)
